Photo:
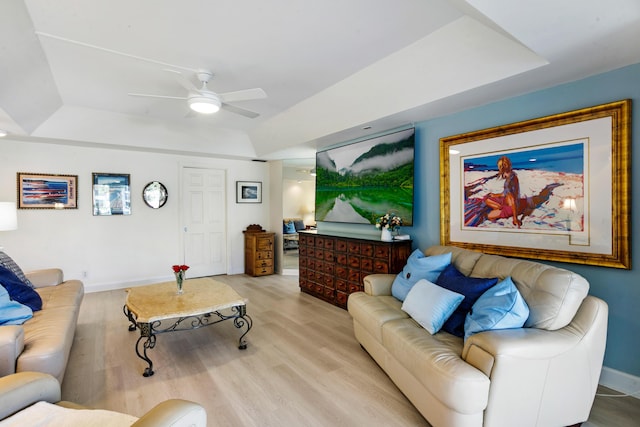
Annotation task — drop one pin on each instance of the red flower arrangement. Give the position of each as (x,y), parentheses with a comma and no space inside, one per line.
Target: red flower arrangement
(179,271)
(179,268)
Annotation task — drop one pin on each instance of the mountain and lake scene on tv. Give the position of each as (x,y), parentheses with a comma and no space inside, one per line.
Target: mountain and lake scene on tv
(360,182)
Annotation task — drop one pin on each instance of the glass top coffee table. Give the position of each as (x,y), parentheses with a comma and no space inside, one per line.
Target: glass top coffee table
(158,308)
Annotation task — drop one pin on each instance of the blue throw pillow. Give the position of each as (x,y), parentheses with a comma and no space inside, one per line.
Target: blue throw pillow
(470,287)
(500,307)
(418,267)
(18,291)
(299,225)
(289,228)
(430,305)
(12,312)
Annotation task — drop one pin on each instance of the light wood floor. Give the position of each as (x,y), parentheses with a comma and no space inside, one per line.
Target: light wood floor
(302,366)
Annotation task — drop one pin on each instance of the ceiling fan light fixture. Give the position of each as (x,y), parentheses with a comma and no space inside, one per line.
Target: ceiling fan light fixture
(204,104)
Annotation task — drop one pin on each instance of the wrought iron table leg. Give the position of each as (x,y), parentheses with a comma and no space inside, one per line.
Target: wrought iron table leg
(132,326)
(150,342)
(241,320)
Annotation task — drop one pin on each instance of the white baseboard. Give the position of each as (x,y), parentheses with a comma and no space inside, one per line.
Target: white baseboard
(620,381)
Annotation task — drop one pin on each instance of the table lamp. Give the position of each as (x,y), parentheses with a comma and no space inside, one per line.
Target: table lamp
(8,217)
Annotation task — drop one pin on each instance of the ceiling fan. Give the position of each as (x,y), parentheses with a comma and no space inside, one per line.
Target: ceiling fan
(205,101)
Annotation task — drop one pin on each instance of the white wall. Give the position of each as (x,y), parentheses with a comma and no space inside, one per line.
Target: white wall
(299,200)
(116,251)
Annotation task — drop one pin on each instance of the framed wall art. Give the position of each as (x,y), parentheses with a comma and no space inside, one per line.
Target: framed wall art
(553,188)
(47,191)
(248,192)
(111,194)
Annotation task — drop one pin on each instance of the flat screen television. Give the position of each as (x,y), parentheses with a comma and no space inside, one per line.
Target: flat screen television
(360,182)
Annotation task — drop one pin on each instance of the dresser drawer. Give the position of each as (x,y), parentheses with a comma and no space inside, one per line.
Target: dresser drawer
(264,271)
(382,251)
(264,263)
(264,244)
(381,266)
(264,255)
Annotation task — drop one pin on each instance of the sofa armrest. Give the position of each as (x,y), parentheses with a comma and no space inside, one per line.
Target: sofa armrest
(45,277)
(17,391)
(532,343)
(174,413)
(552,364)
(527,343)
(11,345)
(378,284)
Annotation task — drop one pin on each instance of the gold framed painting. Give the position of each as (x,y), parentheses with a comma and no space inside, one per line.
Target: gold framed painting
(553,188)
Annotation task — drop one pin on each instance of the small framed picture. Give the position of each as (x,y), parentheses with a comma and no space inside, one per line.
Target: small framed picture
(248,192)
(47,191)
(111,194)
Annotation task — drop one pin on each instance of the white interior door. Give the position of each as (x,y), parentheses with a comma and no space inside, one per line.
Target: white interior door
(204,216)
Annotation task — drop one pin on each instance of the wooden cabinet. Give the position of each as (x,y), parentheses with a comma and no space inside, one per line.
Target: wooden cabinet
(258,251)
(332,267)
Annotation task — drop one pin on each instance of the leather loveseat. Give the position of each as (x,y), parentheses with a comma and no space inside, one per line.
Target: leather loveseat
(543,374)
(43,343)
(32,397)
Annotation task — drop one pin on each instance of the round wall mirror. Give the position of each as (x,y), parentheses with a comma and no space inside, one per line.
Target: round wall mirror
(155,194)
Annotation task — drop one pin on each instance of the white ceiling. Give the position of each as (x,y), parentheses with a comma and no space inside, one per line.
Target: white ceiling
(329,67)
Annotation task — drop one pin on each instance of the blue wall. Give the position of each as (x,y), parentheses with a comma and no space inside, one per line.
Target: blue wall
(619,288)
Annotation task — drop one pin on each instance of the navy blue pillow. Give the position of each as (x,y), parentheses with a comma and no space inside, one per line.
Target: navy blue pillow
(18,291)
(471,287)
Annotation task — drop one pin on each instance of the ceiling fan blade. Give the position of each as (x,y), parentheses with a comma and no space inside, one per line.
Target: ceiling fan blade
(243,95)
(147,95)
(184,82)
(241,111)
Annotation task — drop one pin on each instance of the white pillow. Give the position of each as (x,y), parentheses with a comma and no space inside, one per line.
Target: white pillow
(431,305)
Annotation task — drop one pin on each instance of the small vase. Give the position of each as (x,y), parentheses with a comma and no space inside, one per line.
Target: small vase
(179,280)
(385,236)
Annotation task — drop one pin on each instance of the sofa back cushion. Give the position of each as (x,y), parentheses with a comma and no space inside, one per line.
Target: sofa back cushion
(463,259)
(553,294)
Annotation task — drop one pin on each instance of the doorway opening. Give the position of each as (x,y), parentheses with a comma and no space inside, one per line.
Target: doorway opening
(298,207)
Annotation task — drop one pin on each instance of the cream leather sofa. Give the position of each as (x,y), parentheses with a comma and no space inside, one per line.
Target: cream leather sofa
(544,374)
(43,343)
(18,392)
